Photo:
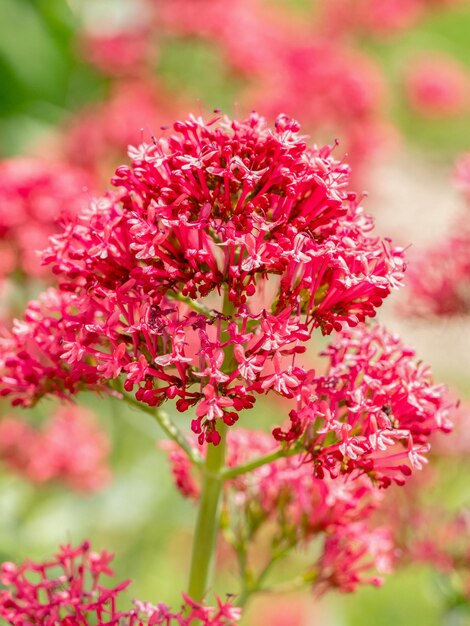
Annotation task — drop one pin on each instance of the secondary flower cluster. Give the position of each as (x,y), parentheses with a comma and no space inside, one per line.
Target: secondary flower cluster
(33,196)
(68,590)
(284,496)
(373,411)
(46,454)
(248,221)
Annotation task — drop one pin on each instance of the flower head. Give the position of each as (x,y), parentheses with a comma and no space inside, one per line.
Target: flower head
(225,245)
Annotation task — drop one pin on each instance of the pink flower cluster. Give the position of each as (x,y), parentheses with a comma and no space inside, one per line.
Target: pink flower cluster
(339,91)
(248,36)
(438,86)
(373,411)
(377,17)
(439,276)
(68,590)
(46,454)
(302,507)
(256,226)
(34,195)
(97,138)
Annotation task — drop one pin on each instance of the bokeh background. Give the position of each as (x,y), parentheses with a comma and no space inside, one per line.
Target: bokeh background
(80,80)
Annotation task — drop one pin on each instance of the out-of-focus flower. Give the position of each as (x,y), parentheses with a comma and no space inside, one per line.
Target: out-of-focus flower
(438,86)
(248,36)
(226,244)
(336,90)
(97,138)
(456,443)
(462,174)
(69,448)
(120,42)
(68,590)
(351,553)
(377,18)
(34,195)
(439,276)
(116,53)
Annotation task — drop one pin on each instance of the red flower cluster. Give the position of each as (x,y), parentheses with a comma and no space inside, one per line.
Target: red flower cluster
(224,208)
(33,196)
(67,590)
(374,410)
(31,353)
(47,454)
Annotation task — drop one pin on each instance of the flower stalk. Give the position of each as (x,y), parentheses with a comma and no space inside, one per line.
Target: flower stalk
(208,520)
(207,525)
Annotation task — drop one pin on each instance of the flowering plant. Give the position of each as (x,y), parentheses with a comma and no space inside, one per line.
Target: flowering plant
(201,279)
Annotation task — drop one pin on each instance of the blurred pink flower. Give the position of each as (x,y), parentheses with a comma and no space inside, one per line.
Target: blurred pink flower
(350,554)
(439,276)
(437,86)
(98,137)
(34,196)
(69,447)
(336,90)
(462,174)
(118,53)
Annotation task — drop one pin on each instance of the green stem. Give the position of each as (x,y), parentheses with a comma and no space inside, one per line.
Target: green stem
(168,427)
(207,524)
(208,519)
(193,304)
(296,584)
(280,453)
(257,586)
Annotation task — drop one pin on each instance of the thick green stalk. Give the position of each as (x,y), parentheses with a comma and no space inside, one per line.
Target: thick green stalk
(208,520)
(207,525)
